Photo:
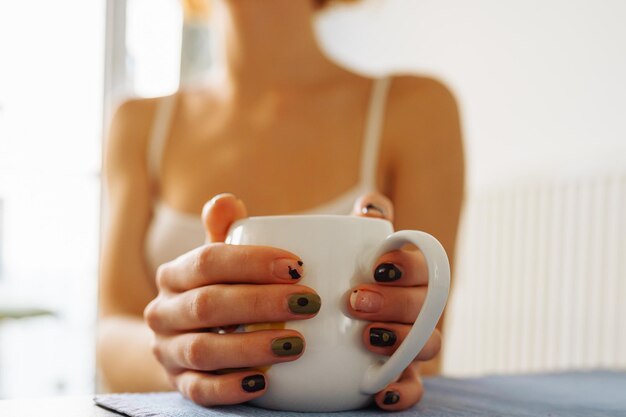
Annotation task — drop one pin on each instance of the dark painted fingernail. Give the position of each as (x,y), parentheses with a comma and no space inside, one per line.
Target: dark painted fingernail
(304,303)
(253,383)
(287,346)
(387,273)
(372,209)
(382,337)
(391,397)
(293,273)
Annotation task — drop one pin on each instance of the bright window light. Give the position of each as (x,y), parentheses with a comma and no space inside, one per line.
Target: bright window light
(51,85)
(153,39)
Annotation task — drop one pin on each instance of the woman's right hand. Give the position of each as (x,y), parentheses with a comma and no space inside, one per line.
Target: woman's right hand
(219,285)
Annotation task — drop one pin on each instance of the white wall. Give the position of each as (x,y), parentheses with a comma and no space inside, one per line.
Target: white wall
(541,84)
(539,275)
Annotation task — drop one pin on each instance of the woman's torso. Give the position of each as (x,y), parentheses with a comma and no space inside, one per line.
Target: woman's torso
(303,147)
(261,153)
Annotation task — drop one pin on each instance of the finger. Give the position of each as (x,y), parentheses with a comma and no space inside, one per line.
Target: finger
(219,213)
(231,388)
(404,393)
(406,267)
(212,306)
(373,302)
(384,339)
(216,263)
(373,205)
(213,351)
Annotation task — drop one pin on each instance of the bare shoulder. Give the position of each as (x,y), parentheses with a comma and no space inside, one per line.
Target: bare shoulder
(414,100)
(422,116)
(414,83)
(128,133)
(415,90)
(131,123)
(425,157)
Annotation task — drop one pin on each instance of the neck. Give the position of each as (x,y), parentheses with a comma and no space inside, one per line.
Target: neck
(268,44)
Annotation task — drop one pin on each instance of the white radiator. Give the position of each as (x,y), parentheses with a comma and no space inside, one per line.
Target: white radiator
(540,280)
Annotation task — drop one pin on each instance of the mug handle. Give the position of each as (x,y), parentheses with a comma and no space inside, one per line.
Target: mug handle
(379,375)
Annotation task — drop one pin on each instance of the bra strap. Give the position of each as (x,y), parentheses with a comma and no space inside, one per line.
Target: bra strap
(373,132)
(158,136)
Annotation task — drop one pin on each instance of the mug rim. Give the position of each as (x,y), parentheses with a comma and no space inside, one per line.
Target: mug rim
(314,216)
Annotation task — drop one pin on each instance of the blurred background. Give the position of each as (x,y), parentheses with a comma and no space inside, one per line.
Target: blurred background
(542,95)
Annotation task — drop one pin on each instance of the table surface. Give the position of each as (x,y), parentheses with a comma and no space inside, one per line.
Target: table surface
(580,394)
(74,406)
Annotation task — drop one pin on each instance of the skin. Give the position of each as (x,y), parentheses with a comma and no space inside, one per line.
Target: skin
(271,85)
(196,10)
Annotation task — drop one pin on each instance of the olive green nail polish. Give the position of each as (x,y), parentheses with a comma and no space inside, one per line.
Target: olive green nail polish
(304,303)
(287,346)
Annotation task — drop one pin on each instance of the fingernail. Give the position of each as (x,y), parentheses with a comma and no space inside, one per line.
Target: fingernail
(391,397)
(366,301)
(253,383)
(372,209)
(287,346)
(387,273)
(285,268)
(304,303)
(382,337)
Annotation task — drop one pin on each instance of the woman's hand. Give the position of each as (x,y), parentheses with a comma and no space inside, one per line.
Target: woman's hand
(219,285)
(392,305)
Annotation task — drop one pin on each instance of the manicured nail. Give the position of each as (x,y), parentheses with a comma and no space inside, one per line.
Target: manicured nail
(253,383)
(387,273)
(372,209)
(287,346)
(391,397)
(366,301)
(382,337)
(286,268)
(304,303)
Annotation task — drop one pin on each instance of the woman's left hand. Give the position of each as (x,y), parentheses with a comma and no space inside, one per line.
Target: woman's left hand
(392,305)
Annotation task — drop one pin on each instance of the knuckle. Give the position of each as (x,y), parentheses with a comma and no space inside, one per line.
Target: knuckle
(262,302)
(173,380)
(247,254)
(434,347)
(218,391)
(207,257)
(198,393)
(151,314)
(415,300)
(419,391)
(162,273)
(438,339)
(194,353)
(256,305)
(410,306)
(157,350)
(243,350)
(201,307)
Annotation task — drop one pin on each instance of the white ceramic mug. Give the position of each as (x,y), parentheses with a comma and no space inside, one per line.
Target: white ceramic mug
(336,372)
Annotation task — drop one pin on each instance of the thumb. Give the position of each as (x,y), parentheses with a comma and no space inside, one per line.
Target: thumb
(219,213)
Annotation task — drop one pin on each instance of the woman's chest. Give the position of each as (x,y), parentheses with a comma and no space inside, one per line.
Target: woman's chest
(285,166)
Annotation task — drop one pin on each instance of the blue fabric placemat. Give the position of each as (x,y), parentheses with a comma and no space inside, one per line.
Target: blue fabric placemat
(572,394)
